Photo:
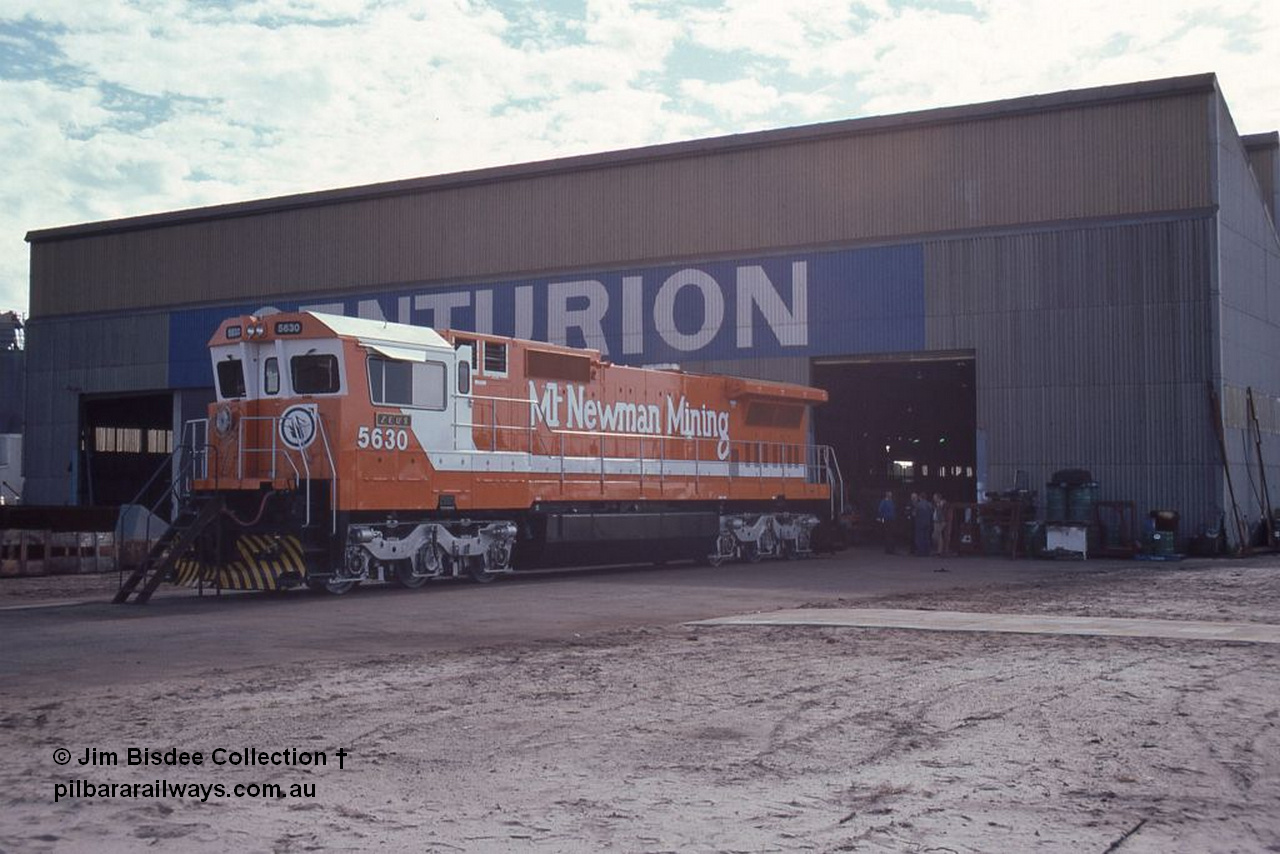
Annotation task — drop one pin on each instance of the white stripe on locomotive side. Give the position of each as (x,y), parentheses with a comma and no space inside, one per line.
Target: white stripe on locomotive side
(520,462)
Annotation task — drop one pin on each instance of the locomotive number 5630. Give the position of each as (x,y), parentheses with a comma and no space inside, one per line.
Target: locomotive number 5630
(380,438)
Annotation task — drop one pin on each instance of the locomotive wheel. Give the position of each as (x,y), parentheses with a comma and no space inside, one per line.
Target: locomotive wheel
(430,558)
(767,544)
(479,573)
(803,547)
(404,576)
(495,559)
(333,587)
(726,545)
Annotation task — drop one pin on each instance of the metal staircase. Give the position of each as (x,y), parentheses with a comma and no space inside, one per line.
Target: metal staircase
(193,517)
(192,521)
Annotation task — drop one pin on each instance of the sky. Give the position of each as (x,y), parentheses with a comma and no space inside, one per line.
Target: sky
(119,108)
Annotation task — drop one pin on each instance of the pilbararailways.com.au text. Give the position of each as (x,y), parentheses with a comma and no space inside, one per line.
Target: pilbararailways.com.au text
(88,789)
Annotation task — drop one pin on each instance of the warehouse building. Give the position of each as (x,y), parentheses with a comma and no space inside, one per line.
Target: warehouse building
(990,293)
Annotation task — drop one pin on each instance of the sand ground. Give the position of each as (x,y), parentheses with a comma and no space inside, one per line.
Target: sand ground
(668,737)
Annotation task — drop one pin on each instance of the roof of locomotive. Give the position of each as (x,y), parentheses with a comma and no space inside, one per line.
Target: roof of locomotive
(381,330)
(314,324)
(530,343)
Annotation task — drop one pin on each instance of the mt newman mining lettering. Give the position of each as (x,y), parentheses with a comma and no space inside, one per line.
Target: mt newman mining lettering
(624,416)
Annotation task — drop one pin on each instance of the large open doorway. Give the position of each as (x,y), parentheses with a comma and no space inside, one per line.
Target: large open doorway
(906,423)
(123,442)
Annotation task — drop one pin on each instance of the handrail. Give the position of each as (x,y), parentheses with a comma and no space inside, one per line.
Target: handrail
(179,487)
(333,478)
(306,469)
(525,400)
(201,442)
(835,479)
(274,450)
(301,476)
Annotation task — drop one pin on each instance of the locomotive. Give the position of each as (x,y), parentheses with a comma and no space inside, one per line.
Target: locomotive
(342,450)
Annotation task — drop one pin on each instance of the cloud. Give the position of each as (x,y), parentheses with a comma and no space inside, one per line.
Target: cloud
(748,98)
(118,109)
(166,105)
(899,57)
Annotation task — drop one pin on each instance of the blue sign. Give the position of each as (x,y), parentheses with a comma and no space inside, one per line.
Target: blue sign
(812,304)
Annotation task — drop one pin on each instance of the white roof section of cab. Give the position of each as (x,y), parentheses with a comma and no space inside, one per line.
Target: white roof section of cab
(389,338)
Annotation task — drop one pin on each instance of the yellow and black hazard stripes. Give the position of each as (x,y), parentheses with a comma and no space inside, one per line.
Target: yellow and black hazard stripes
(259,563)
(263,559)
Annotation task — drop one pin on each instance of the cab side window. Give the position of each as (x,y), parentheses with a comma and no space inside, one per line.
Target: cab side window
(315,373)
(419,385)
(495,358)
(271,376)
(464,377)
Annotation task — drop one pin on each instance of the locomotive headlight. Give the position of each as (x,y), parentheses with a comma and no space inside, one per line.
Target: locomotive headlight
(222,420)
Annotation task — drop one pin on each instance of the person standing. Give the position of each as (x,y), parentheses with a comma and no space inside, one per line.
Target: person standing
(941,525)
(923,526)
(886,519)
(909,522)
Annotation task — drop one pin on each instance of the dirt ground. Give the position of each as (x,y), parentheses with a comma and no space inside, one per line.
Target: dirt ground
(690,739)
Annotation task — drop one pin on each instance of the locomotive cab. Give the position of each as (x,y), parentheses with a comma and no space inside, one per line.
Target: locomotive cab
(325,425)
(272,427)
(297,392)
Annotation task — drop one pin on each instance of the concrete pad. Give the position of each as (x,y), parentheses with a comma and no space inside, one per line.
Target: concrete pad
(1034,624)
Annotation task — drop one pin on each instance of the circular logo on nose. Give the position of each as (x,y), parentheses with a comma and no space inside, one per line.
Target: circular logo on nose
(223,420)
(298,426)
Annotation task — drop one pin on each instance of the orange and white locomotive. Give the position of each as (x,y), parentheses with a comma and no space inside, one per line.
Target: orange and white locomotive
(341,450)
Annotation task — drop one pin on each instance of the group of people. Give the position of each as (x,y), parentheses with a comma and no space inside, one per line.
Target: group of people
(926,523)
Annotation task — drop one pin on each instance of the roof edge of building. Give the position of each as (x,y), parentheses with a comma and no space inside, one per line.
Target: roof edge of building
(1270,139)
(1029,104)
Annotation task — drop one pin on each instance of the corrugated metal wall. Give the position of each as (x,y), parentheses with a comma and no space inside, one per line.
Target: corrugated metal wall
(1093,350)
(12,382)
(1249,312)
(1101,160)
(1263,150)
(70,358)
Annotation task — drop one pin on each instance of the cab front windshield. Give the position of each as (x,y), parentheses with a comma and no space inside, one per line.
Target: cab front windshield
(230,379)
